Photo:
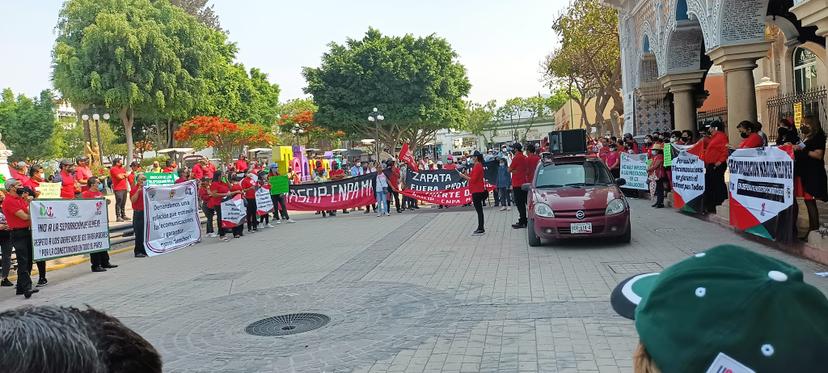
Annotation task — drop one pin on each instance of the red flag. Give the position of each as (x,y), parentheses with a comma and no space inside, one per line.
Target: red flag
(408,157)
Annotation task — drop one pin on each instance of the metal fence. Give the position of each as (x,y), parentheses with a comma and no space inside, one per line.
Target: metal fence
(703,118)
(785,106)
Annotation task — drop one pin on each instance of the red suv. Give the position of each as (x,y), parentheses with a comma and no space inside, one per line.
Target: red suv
(576,197)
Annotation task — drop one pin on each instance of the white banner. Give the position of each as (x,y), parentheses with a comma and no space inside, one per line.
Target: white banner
(64,227)
(634,171)
(264,204)
(688,176)
(171,217)
(761,181)
(233,212)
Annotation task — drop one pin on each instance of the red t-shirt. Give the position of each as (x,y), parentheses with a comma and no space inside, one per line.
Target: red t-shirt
(67,188)
(531,163)
(138,205)
(198,172)
(82,174)
(203,194)
(23,179)
(241,165)
(450,166)
(337,174)
(131,180)
(612,158)
(32,184)
(11,205)
(752,141)
(210,170)
(89,194)
(217,187)
(118,182)
(716,150)
(476,184)
(168,169)
(180,180)
(248,183)
(518,170)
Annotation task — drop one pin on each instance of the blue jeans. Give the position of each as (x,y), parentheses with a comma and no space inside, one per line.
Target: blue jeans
(382,202)
(503,196)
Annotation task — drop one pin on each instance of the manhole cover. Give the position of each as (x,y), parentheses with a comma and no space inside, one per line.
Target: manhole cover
(294,323)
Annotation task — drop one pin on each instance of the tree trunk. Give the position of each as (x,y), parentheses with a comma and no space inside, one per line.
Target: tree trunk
(170,129)
(127,117)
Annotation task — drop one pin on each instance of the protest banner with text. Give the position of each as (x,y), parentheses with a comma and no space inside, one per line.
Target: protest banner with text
(171,217)
(761,191)
(233,212)
(159,178)
(333,195)
(62,227)
(446,187)
(264,204)
(49,190)
(688,178)
(634,171)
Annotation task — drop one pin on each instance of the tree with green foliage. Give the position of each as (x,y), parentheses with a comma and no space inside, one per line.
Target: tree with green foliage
(199,9)
(415,82)
(588,61)
(139,58)
(479,118)
(27,125)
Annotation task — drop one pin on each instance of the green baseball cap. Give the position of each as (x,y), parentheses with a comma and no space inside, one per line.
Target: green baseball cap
(728,308)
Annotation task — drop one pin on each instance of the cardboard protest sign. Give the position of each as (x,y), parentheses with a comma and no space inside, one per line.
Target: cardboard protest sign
(279,185)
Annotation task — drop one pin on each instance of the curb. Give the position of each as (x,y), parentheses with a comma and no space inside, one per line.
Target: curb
(70,263)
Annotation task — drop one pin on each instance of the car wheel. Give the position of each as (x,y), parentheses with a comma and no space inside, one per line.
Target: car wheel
(534,240)
(627,237)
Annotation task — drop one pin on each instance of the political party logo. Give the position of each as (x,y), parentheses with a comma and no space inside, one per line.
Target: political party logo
(73,210)
(172,193)
(45,212)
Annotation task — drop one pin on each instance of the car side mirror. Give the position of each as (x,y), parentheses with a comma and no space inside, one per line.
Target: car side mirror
(620,182)
(526,187)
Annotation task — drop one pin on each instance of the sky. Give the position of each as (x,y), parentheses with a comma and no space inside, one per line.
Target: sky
(501,42)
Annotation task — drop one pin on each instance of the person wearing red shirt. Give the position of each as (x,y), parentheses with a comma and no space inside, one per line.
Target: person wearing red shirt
(135,168)
(236,188)
(209,170)
(99,260)
(478,189)
(204,198)
(241,164)
(613,159)
(16,210)
(263,183)
(198,170)
(69,187)
(218,190)
(248,188)
(136,198)
(183,176)
(169,167)
(35,178)
(118,175)
(337,173)
(518,170)
(20,172)
(751,139)
(280,200)
(393,175)
(82,172)
(532,161)
(715,161)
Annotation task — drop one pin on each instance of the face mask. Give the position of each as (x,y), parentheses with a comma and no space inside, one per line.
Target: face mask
(673,139)
(654,152)
(612,149)
(648,142)
(781,131)
(744,135)
(630,151)
(100,186)
(806,130)
(685,139)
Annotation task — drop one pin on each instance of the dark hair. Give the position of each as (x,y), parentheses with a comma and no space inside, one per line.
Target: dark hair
(816,127)
(33,170)
(217,175)
(479,157)
(168,162)
(757,126)
(92,181)
(675,134)
(182,171)
(531,148)
(748,125)
(785,122)
(116,161)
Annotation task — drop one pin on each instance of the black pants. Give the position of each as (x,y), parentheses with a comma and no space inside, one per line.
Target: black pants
(209,214)
(477,200)
(396,196)
(120,203)
(5,253)
(99,259)
(279,206)
(138,228)
(221,231)
(252,219)
(659,191)
(21,239)
(715,189)
(520,202)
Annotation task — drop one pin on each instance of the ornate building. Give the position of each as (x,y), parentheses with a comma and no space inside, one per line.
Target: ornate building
(771,53)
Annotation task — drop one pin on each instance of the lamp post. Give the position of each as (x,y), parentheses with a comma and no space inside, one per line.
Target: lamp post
(297,131)
(376,117)
(87,134)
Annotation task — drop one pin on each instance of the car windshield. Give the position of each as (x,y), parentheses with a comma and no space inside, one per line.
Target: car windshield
(573,175)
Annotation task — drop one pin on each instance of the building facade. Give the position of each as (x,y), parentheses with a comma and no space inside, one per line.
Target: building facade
(770,55)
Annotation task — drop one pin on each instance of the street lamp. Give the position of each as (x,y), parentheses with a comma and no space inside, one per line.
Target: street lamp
(88,133)
(376,117)
(297,131)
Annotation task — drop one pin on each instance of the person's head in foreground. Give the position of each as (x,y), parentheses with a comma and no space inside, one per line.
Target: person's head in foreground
(48,339)
(726,310)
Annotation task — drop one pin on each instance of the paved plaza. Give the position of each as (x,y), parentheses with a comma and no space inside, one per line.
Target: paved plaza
(414,292)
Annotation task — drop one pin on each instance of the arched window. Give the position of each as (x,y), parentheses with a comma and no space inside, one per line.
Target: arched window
(645,44)
(681,10)
(805,69)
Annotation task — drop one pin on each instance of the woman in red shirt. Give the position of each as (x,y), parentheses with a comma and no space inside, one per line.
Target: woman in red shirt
(715,161)
(218,190)
(748,132)
(136,198)
(100,259)
(477,189)
(248,188)
(68,186)
(236,188)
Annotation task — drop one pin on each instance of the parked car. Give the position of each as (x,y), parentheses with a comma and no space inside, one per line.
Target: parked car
(576,197)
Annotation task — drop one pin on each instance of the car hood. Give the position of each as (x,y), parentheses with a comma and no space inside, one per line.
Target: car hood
(582,198)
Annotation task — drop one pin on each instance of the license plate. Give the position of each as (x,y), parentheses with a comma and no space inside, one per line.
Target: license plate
(580,228)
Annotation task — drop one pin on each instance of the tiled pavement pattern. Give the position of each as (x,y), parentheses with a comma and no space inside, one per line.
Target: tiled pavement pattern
(408,293)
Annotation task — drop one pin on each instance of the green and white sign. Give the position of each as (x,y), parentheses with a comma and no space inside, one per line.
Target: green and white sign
(160,178)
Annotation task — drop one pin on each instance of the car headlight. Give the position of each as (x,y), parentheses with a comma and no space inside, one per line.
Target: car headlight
(616,206)
(543,210)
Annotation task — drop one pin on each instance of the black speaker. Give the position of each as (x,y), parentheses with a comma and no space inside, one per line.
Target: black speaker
(568,142)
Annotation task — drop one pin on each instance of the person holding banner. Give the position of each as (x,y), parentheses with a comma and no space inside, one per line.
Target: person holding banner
(248,188)
(279,199)
(810,181)
(183,175)
(382,198)
(218,190)
(786,133)
(657,173)
(136,198)
(478,189)
(99,260)
(393,175)
(16,210)
(715,160)
(236,188)
(751,139)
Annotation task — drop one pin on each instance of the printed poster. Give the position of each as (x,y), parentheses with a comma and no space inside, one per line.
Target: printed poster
(66,227)
(171,220)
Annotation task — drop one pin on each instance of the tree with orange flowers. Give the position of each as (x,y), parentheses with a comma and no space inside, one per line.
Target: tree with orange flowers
(226,137)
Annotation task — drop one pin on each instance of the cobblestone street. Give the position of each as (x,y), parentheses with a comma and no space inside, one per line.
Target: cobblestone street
(414,292)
